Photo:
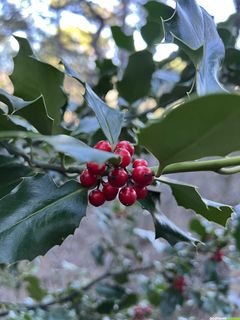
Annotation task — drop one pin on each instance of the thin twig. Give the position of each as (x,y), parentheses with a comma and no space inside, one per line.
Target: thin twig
(39,164)
(76,293)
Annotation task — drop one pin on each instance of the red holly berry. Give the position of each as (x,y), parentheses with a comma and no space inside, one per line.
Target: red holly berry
(127,196)
(117,177)
(125,145)
(141,192)
(96,168)
(218,256)
(179,283)
(142,176)
(109,191)
(96,198)
(103,145)
(140,162)
(88,179)
(125,157)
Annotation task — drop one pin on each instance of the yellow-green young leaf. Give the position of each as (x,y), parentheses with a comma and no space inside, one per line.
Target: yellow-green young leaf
(32,78)
(187,196)
(203,127)
(38,216)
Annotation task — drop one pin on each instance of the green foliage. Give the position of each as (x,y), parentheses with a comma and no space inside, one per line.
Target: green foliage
(41,215)
(202,127)
(122,40)
(136,80)
(32,78)
(188,197)
(186,132)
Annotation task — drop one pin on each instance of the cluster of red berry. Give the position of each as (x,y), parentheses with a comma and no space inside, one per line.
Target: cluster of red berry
(117,180)
(140,313)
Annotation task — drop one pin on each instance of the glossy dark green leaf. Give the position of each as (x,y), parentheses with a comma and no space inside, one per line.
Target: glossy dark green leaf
(38,216)
(192,28)
(166,229)
(152,199)
(32,78)
(8,123)
(11,173)
(188,197)
(110,120)
(121,39)
(70,146)
(136,80)
(202,127)
(33,111)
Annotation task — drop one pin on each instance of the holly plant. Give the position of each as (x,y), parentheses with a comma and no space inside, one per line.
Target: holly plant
(52,170)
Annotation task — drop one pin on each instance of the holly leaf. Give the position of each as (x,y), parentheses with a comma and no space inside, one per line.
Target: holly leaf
(70,146)
(166,229)
(203,127)
(11,173)
(38,216)
(33,111)
(194,30)
(136,80)
(8,123)
(187,196)
(32,78)
(110,120)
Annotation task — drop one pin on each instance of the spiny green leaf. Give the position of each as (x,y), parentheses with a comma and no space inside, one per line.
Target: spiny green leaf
(32,78)
(70,146)
(194,30)
(110,120)
(33,111)
(203,127)
(188,197)
(11,173)
(164,228)
(38,216)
